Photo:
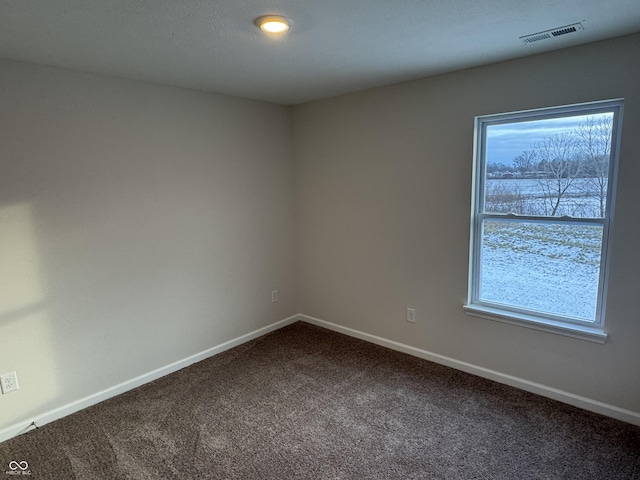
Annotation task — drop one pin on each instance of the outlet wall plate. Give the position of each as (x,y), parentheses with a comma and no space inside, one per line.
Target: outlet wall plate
(9,382)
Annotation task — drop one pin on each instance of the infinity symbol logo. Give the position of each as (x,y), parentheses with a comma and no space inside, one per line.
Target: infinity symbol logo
(13,465)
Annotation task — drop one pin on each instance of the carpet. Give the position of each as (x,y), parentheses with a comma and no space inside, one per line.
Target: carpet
(307,403)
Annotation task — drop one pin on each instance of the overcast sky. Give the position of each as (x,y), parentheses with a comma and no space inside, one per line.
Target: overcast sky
(506,142)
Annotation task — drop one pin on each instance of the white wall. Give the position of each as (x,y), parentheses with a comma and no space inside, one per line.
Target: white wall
(139,225)
(383,185)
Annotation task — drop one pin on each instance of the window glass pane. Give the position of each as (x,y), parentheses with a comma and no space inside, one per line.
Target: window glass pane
(547,267)
(551,167)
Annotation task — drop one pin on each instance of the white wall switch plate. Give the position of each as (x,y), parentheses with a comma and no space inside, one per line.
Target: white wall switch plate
(411,315)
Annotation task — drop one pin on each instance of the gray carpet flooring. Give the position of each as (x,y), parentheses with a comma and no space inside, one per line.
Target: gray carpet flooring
(307,403)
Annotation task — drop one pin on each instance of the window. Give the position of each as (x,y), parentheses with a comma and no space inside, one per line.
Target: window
(543,198)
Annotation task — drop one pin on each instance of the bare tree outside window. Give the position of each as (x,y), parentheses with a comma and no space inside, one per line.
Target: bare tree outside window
(558,169)
(570,170)
(594,138)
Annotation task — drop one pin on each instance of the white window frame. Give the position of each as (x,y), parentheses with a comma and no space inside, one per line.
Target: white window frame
(586,330)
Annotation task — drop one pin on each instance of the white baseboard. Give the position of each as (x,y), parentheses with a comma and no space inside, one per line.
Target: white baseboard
(553,393)
(60,412)
(543,390)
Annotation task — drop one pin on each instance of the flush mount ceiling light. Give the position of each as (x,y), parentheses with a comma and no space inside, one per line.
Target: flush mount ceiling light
(272,23)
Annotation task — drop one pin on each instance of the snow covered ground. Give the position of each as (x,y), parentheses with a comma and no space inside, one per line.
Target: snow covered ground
(548,268)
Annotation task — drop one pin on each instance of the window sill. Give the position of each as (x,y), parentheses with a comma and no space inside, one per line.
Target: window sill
(581,332)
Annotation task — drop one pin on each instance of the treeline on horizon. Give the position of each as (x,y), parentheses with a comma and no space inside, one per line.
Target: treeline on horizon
(582,152)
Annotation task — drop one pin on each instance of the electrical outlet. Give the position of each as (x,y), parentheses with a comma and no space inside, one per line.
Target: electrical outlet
(9,382)
(411,315)
(274,296)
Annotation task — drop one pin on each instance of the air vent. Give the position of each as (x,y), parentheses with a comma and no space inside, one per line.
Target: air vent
(554,32)
(563,31)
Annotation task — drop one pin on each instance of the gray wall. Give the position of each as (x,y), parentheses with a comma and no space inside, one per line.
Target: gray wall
(142,224)
(383,185)
(139,225)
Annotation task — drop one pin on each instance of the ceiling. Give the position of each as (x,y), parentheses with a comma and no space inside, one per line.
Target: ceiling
(333,46)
